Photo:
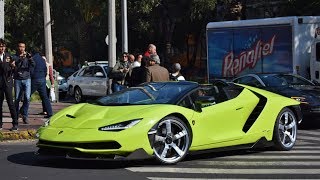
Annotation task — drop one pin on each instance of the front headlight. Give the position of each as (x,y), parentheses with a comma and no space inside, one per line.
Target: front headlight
(120,126)
(302,100)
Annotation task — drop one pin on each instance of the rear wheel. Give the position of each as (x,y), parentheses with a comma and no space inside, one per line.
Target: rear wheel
(172,140)
(285,130)
(78,95)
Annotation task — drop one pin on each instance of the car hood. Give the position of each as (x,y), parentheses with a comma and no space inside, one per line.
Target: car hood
(290,91)
(94,116)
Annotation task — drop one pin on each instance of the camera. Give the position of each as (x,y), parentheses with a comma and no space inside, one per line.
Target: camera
(28,55)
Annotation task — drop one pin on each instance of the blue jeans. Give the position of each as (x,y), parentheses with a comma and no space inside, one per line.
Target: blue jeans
(117,87)
(40,86)
(20,87)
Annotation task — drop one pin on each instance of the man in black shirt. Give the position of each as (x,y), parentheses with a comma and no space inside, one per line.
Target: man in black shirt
(6,84)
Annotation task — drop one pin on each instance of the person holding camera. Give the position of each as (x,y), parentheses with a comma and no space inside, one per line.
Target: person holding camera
(119,72)
(22,76)
(6,84)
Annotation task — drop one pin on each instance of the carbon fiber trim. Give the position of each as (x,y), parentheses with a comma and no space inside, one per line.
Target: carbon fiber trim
(255,113)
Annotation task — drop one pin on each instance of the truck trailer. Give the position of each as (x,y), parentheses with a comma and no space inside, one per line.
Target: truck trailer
(270,45)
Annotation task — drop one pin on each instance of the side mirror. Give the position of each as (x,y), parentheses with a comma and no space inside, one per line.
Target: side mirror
(98,74)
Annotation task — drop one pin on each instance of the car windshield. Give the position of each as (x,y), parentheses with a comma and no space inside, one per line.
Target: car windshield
(150,93)
(296,80)
(273,80)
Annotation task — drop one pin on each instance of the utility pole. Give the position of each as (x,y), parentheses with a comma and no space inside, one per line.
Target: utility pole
(1,18)
(47,31)
(124,26)
(112,38)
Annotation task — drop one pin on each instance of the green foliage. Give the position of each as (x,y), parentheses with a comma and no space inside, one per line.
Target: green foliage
(24,22)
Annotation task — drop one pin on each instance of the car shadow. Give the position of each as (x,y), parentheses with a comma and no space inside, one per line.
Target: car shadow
(31,159)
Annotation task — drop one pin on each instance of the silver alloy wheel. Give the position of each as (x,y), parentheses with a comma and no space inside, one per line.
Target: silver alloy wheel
(77,95)
(172,140)
(287,129)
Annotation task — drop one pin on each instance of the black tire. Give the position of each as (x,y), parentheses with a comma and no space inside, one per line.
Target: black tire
(78,97)
(285,130)
(172,140)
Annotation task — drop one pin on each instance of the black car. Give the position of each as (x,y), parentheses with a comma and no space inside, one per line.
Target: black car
(289,85)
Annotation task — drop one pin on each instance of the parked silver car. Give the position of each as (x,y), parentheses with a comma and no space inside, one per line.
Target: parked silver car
(63,86)
(89,81)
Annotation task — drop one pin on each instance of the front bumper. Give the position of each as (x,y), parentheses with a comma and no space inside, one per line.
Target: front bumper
(92,142)
(310,110)
(75,154)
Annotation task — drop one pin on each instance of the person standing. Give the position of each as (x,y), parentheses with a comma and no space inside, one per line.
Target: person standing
(155,72)
(49,83)
(119,72)
(6,84)
(176,74)
(138,74)
(152,49)
(39,83)
(22,80)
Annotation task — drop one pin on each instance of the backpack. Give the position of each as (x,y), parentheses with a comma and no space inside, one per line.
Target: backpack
(174,78)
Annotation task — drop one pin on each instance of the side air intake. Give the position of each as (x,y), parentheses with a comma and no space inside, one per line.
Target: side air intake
(255,113)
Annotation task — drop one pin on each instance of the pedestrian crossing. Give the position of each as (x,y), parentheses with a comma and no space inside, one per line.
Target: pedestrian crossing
(302,162)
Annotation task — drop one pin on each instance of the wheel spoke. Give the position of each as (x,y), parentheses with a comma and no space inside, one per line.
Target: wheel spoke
(159,139)
(165,151)
(177,149)
(180,135)
(291,125)
(281,127)
(286,118)
(168,126)
(290,136)
(284,138)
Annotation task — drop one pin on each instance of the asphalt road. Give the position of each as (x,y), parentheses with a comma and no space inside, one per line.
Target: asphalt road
(18,161)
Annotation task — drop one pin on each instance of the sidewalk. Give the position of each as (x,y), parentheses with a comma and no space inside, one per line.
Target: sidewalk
(26,131)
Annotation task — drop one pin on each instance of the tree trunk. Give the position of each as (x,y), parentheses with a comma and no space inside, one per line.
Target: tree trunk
(84,43)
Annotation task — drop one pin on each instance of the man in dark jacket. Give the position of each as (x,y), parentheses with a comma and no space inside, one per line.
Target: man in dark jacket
(6,84)
(38,82)
(22,76)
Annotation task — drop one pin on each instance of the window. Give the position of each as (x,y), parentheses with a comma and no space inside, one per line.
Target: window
(249,80)
(98,69)
(87,72)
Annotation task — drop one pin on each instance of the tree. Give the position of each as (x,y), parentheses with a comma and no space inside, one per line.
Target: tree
(24,22)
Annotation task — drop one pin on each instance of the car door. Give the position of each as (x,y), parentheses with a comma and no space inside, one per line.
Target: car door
(223,121)
(84,79)
(99,81)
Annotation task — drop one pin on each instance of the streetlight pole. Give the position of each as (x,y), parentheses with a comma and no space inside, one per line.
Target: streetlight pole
(1,18)
(112,38)
(124,26)
(47,31)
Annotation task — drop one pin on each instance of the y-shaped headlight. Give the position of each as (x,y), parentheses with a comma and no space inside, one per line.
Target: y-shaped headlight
(120,126)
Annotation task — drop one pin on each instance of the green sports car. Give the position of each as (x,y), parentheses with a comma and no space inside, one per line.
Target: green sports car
(168,120)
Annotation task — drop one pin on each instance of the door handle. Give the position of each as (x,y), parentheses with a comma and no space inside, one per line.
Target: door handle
(239,108)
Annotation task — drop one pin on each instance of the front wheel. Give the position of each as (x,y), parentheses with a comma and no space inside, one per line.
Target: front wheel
(78,95)
(285,130)
(172,140)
